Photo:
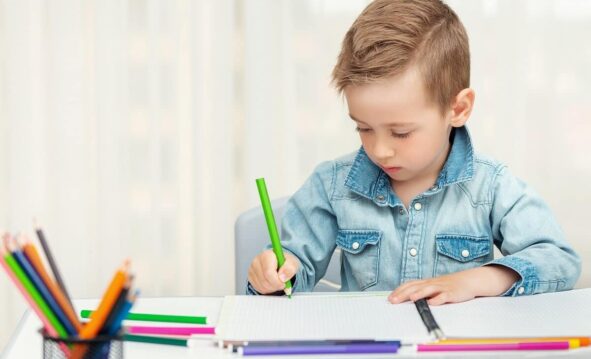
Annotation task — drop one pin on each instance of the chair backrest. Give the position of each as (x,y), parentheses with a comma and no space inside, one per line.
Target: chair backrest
(251,236)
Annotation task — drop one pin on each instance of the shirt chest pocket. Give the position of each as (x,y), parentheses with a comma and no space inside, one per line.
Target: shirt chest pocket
(360,255)
(460,252)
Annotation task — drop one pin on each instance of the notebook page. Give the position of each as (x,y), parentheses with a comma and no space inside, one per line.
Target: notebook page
(543,315)
(318,317)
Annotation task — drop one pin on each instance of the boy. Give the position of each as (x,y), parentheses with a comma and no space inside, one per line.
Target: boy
(415,209)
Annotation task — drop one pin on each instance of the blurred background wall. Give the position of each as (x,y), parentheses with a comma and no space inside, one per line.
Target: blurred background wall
(136,128)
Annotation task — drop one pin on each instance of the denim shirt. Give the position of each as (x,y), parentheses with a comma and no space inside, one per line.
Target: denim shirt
(475,203)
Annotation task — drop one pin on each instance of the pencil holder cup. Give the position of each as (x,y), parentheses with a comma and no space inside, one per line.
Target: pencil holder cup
(101,347)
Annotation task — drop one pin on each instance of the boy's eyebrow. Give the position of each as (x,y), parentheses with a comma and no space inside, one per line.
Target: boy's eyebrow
(393,124)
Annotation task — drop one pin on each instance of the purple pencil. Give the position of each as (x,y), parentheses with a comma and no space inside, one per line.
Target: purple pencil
(318,349)
(493,347)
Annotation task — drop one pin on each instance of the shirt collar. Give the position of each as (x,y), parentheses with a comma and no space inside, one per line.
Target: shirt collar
(368,180)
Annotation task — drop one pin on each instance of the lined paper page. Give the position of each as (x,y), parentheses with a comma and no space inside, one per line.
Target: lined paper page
(315,317)
(543,315)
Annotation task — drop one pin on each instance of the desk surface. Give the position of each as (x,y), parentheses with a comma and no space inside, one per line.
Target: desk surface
(26,341)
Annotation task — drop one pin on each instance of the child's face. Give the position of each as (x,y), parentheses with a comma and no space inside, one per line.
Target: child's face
(401,130)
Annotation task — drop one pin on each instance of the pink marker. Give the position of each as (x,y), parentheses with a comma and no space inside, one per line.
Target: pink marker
(170,330)
(494,346)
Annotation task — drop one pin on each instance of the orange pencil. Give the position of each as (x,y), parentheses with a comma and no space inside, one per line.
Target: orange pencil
(33,255)
(97,319)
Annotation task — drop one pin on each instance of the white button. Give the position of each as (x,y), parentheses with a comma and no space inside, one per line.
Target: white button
(520,290)
(465,253)
(418,206)
(355,245)
(380,198)
(401,211)
(413,252)
(434,188)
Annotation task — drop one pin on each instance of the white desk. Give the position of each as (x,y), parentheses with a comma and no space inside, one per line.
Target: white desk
(26,341)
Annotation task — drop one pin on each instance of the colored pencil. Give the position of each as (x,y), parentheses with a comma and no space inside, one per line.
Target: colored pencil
(97,319)
(155,340)
(123,313)
(42,289)
(33,256)
(49,328)
(56,273)
(32,291)
(272,227)
(319,349)
(493,347)
(164,318)
(573,342)
(117,307)
(170,330)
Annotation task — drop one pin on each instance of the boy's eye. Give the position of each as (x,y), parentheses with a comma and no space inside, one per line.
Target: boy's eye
(400,135)
(359,129)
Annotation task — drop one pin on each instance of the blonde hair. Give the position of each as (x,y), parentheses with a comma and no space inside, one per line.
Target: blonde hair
(391,35)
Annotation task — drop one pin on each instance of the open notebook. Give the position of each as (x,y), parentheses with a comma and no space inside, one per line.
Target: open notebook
(371,316)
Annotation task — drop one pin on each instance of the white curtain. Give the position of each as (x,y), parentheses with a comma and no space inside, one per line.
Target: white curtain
(137,128)
(117,134)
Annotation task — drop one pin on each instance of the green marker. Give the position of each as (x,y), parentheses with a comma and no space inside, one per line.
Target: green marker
(275,241)
(166,318)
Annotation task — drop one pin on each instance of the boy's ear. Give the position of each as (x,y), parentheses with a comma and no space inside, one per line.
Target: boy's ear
(461,107)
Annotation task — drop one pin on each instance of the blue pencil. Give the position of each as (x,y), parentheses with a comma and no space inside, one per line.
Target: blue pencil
(122,314)
(38,283)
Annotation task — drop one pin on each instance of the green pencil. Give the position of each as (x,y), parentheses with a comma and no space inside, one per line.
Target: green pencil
(35,295)
(273,233)
(155,340)
(155,317)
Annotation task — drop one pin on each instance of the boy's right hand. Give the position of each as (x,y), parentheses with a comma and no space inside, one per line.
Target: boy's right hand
(263,274)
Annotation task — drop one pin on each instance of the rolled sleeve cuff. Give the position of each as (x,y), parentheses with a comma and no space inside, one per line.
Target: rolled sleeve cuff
(251,291)
(526,285)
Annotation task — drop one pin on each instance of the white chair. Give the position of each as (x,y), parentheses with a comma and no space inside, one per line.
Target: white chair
(251,236)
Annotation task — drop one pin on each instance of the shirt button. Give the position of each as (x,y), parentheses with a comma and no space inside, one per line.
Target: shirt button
(520,290)
(401,211)
(355,245)
(418,206)
(434,188)
(413,252)
(380,198)
(465,253)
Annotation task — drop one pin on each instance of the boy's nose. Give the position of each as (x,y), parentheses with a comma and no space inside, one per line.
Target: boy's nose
(382,151)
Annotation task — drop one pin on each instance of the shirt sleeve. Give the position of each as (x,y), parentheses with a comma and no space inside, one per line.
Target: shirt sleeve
(309,227)
(530,239)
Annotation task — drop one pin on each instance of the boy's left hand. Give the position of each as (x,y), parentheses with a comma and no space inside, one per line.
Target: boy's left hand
(491,280)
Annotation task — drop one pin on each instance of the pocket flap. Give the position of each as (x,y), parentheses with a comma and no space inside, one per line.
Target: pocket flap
(461,247)
(355,240)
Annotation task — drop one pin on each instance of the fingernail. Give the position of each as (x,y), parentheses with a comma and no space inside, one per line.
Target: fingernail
(394,299)
(282,277)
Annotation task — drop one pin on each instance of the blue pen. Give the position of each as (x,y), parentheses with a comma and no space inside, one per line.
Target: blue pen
(38,283)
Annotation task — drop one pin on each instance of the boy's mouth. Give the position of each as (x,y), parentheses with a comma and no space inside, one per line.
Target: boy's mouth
(391,170)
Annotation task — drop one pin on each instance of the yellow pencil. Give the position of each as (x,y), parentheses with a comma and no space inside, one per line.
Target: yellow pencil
(573,342)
